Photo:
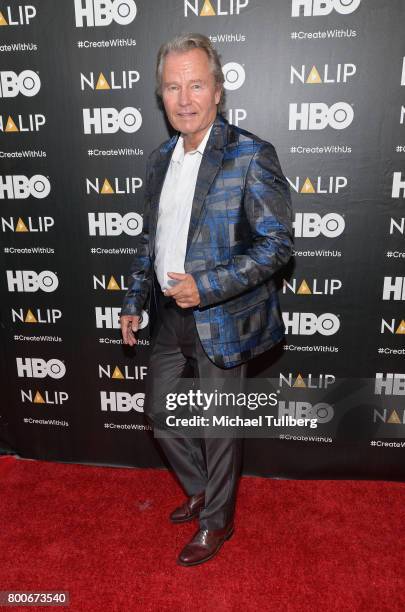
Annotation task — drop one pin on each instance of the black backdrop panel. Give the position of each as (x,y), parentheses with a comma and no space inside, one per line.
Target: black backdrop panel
(325,83)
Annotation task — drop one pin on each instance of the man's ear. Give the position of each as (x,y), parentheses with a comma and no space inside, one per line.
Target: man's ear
(218,95)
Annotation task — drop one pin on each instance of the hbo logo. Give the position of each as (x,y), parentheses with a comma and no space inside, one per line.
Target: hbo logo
(121,401)
(104,12)
(26,83)
(234,75)
(39,368)
(309,225)
(109,120)
(308,323)
(304,410)
(20,187)
(113,224)
(323,7)
(318,116)
(109,317)
(30,281)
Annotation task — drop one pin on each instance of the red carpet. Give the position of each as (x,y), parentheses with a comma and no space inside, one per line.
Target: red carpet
(103,534)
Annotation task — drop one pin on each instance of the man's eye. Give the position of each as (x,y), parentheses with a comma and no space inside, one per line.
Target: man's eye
(196,86)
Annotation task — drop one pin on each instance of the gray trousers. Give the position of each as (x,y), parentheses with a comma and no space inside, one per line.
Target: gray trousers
(201,464)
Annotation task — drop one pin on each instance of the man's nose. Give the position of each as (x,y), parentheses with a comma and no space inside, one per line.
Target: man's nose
(184,98)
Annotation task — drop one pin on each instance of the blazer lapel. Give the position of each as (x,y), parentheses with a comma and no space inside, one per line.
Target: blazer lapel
(210,165)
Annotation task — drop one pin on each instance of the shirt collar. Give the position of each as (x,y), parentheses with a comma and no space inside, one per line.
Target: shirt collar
(178,151)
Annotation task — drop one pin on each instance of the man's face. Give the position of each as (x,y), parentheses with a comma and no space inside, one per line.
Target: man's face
(190,95)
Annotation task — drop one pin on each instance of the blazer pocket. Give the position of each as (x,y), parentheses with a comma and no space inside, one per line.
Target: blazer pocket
(247,300)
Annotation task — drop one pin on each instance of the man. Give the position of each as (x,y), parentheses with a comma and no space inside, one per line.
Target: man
(217,226)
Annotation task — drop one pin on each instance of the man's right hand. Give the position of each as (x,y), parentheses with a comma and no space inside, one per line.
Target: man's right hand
(129,325)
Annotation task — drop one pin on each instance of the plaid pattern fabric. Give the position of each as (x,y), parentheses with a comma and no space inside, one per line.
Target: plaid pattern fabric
(240,234)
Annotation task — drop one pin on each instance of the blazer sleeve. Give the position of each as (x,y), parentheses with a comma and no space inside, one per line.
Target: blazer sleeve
(267,207)
(140,274)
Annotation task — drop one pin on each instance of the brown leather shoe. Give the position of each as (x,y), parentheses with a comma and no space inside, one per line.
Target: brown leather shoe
(204,545)
(189,510)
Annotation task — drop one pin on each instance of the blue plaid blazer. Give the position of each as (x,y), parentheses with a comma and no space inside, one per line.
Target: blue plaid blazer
(239,236)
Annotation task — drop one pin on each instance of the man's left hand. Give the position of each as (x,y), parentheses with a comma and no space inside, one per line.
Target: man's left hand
(185,292)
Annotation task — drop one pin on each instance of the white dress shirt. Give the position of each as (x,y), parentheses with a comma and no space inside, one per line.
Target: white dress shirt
(175,205)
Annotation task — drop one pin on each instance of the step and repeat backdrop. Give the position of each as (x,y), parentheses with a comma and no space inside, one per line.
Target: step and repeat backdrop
(324,81)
